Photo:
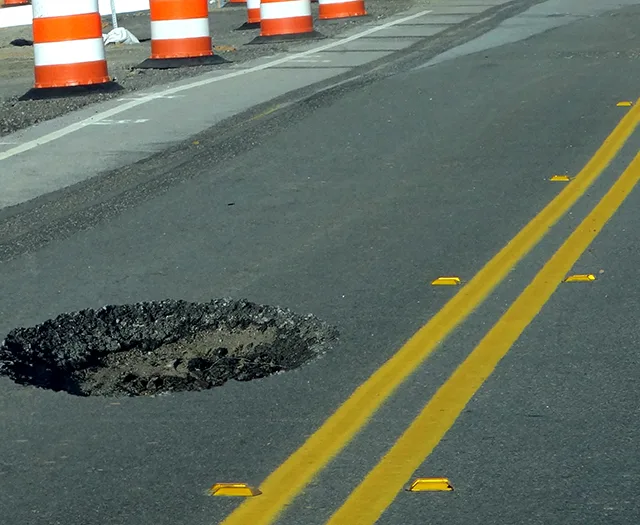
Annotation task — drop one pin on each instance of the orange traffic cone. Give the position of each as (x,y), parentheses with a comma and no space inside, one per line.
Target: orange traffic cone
(10,3)
(68,50)
(330,9)
(253,15)
(282,20)
(180,35)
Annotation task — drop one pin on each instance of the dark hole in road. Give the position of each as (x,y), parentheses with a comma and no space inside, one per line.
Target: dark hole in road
(160,347)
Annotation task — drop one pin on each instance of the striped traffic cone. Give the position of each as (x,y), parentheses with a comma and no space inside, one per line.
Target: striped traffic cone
(180,35)
(253,15)
(331,9)
(68,50)
(282,20)
(10,3)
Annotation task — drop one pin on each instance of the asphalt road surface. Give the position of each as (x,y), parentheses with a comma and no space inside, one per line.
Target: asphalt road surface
(518,387)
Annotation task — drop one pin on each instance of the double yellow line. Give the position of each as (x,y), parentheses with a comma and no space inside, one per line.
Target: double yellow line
(367,502)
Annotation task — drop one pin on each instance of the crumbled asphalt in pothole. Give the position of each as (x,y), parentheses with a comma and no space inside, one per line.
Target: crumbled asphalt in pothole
(16,62)
(161,347)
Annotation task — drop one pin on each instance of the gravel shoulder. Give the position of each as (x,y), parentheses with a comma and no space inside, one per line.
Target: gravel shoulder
(16,61)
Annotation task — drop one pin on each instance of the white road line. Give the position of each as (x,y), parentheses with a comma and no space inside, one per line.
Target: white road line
(311,61)
(138,97)
(116,122)
(55,135)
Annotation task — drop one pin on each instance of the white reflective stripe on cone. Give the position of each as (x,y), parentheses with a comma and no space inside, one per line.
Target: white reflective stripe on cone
(71,52)
(290,9)
(253,4)
(177,29)
(55,8)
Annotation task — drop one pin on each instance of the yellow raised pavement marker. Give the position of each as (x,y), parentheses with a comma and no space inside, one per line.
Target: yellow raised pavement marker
(430,485)
(560,178)
(446,281)
(580,278)
(234,489)
(624,104)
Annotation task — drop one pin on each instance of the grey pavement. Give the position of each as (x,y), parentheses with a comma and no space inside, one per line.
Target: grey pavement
(164,116)
(347,203)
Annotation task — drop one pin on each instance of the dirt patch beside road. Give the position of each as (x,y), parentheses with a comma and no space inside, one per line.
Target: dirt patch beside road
(16,62)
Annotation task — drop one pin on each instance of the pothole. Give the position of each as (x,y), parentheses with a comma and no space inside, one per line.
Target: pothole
(161,347)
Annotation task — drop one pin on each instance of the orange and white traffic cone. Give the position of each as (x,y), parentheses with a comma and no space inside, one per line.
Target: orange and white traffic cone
(180,35)
(253,15)
(10,3)
(330,9)
(282,20)
(68,49)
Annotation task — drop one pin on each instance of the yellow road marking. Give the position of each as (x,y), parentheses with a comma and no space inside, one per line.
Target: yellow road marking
(378,490)
(290,478)
(266,112)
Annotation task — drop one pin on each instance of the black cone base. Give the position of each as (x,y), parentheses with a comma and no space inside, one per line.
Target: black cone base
(170,63)
(70,91)
(249,25)
(276,39)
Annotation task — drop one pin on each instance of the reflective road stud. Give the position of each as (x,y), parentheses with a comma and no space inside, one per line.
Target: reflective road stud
(330,9)
(180,35)
(68,50)
(430,485)
(234,489)
(446,281)
(285,20)
(580,278)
